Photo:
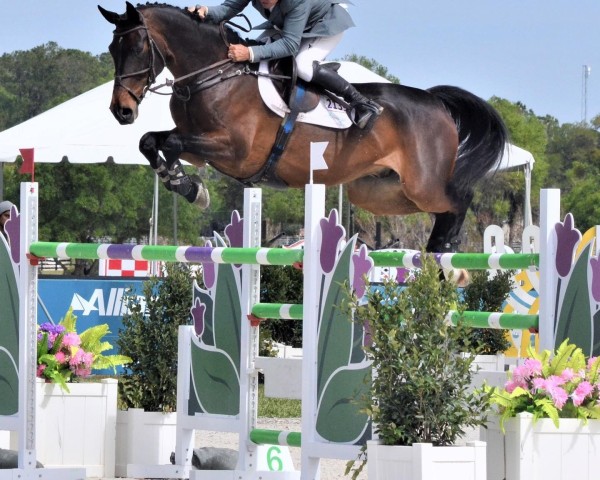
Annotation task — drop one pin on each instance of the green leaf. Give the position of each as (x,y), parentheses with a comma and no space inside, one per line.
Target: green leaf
(339,406)
(228,311)
(336,329)
(215,381)
(9,340)
(574,318)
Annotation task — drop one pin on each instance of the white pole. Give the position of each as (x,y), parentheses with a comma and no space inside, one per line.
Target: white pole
(314,211)
(549,217)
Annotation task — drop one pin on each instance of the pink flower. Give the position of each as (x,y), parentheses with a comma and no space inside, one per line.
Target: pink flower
(567,375)
(40,369)
(533,367)
(511,385)
(590,362)
(559,396)
(584,389)
(554,381)
(71,339)
(60,357)
(539,384)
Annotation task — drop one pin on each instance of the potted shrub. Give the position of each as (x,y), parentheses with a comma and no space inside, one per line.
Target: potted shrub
(420,401)
(81,413)
(146,421)
(548,410)
(486,293)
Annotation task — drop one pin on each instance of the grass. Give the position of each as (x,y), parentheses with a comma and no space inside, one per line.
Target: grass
(277,407)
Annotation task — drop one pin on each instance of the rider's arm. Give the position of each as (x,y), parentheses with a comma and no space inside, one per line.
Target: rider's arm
(228,9)
(294,24)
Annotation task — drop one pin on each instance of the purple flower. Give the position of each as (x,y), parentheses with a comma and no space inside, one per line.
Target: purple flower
(51,328)
(332,233)
(595,266)
(208,270)
(197,312)
(567,238)
(362,264)
(235,230)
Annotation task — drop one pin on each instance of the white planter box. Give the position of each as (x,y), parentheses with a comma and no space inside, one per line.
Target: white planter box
(282,376)
(541,451)
(76,429)
(423,461)
(494,363)
(144,438)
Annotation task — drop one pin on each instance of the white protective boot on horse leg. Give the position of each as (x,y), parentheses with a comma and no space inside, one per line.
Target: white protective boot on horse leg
(189,186)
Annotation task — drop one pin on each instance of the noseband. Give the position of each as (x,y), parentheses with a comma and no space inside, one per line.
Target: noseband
(150,70)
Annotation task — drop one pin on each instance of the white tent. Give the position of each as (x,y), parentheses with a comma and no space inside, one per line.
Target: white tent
(516,158)
(83,130)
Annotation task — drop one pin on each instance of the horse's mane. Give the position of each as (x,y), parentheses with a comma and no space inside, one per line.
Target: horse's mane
(232,35)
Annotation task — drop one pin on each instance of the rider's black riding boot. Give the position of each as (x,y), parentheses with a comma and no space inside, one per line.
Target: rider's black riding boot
(365,111)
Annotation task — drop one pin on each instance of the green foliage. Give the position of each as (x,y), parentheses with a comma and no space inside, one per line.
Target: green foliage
(551,386)
(487,294)
(421,390)
(282,285)
(150,338)
(38,79)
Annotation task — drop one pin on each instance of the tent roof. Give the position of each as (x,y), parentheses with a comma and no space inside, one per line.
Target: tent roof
(83,130)
(515,158)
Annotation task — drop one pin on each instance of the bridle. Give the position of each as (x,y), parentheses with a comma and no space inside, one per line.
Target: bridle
(183,93)
(150,69)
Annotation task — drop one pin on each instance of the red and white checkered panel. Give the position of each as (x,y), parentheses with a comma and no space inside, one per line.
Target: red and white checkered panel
(124,268)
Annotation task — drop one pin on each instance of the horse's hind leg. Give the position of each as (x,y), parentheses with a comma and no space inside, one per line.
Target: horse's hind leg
(446,228)
(169,170)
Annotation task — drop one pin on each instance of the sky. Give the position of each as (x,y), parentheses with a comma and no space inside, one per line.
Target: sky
(528,51)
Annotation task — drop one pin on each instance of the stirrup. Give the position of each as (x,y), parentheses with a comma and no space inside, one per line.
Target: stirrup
(370,113)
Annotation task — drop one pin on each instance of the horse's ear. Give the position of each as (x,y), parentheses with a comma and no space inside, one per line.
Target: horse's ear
(132,14)
(111,17)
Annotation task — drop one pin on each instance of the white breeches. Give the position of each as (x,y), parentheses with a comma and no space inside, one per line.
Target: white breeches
(314,49)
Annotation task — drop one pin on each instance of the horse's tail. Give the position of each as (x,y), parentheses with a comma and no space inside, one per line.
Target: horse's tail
(482,136)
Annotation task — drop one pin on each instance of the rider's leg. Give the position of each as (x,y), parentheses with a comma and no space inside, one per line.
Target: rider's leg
(312,52)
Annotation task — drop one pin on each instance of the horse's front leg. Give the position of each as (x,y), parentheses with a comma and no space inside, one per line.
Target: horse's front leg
(169,169)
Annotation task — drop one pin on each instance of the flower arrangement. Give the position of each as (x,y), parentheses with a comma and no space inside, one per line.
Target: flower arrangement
(63,355)
(564,385)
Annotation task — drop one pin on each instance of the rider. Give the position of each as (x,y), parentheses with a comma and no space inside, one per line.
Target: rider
(308,29)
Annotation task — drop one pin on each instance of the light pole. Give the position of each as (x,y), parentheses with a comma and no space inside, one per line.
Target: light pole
(586,73)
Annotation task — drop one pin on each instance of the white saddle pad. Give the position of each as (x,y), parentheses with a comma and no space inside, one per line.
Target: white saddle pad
(327,113)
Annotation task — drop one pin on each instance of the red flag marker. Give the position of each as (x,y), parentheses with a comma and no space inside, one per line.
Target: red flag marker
(28,165)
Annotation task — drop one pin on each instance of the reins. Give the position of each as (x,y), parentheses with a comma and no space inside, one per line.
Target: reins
(185,92)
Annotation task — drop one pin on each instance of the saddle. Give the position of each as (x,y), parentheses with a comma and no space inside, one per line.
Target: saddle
(278,85)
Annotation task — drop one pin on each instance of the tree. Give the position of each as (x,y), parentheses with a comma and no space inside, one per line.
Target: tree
(38,79)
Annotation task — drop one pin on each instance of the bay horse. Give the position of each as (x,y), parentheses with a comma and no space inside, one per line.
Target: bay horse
(424,153)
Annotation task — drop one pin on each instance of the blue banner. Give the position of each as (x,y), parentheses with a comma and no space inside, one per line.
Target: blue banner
(94,302)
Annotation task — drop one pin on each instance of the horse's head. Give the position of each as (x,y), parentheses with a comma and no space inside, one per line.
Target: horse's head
(137,61)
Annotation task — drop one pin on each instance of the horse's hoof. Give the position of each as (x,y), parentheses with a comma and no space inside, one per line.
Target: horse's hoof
(202,198)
